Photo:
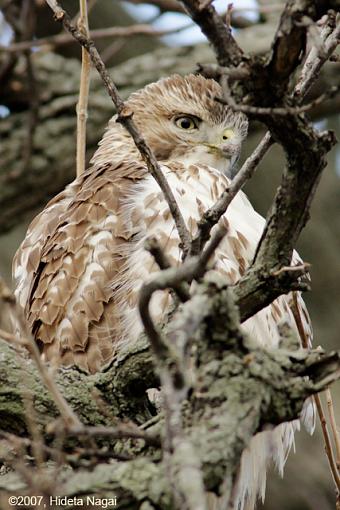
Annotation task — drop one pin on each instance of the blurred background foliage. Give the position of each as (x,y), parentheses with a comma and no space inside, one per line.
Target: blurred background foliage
(307,484)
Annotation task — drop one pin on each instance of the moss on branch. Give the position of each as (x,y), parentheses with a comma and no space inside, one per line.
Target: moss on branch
(238,389)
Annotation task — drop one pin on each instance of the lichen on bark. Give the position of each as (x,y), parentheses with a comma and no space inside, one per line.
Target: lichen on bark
(237,388)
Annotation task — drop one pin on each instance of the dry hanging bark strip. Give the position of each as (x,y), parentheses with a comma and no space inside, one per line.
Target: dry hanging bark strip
(84,88)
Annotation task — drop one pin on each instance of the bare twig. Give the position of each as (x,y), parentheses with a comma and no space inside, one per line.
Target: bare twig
(90,5)
(19,443)
(34,432)
(125,117)
(191,269)
(282,110)
(227,15)
(328,445)
(333,424)
(212,215)
(301,269)
(67,414)
(120,432)
(83,100)
(153,246)
(97,34)
(9,337)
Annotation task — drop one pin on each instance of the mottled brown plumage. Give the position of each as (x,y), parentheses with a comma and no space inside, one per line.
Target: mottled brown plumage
(82,263)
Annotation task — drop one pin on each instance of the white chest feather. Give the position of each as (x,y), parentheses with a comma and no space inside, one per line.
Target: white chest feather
(196,189)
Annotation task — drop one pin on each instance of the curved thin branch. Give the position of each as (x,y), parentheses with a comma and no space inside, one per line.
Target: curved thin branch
(190,270)
(125,117)
(212,215)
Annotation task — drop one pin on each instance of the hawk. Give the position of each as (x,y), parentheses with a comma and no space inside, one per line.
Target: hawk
(81,266)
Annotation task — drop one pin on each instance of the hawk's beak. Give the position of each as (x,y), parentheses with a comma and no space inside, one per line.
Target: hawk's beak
(225,149)
(226,146)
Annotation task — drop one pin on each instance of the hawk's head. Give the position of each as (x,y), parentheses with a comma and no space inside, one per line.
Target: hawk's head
(181,120)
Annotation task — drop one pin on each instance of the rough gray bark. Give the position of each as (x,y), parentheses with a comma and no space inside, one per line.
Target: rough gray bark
(240,388)
(18,373)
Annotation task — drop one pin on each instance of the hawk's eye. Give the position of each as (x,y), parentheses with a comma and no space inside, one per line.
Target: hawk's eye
(187,123)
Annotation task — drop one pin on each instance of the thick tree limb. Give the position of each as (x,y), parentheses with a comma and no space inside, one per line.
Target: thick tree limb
(297,189)
(18,374)
(227,51)
(291,205)
(239,388)
(289,42)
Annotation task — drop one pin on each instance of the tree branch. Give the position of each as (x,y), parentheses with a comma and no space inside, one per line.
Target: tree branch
(290,208)
(96,34)
(281,110)
(125,117)
(227,51)
(316,59)
(58,78)
(84,88)
(190,270)
(269,387)
(212,215)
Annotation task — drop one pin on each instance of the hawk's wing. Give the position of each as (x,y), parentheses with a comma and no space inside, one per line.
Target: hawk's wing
(71,263)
